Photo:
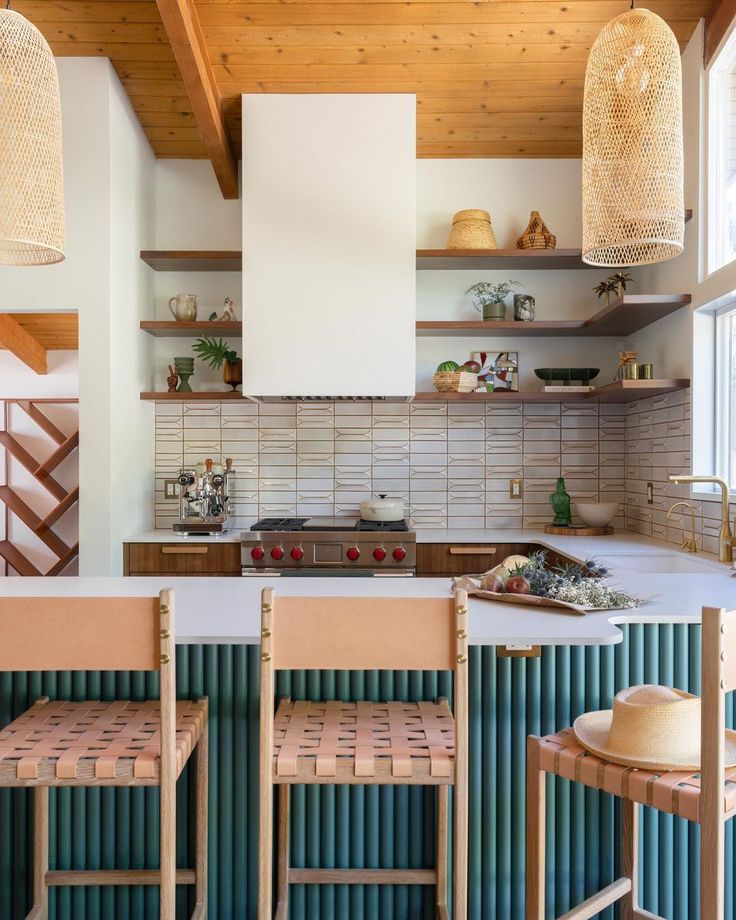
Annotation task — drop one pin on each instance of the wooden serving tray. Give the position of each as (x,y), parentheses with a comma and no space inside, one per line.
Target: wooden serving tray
(578,531)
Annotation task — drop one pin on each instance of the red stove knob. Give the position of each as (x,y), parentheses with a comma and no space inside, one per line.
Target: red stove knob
(257,553)
(353,553)
(399,554)
(379,554)
(277,553)
(297,553)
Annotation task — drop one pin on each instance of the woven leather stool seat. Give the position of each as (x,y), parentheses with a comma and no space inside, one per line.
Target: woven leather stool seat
(366,742)
(675,792)
(57,742)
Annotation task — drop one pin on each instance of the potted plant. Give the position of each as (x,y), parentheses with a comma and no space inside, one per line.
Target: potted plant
(218,354)
(490,299)
(613,284)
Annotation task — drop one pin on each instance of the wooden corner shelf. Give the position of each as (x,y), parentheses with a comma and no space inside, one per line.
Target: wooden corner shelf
(176,329)
(620,391)
(626,315)
(193,260)
(215,396)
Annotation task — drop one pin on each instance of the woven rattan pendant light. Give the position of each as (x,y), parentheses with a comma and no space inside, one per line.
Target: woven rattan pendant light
(31,178)
(633,208)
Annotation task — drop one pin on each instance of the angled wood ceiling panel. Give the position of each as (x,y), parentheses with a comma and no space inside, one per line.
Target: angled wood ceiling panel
(492,77)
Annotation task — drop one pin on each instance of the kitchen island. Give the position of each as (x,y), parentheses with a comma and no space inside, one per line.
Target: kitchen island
(584,660)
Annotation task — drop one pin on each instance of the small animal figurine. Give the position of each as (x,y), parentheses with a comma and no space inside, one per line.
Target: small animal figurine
(228,314)
(172,379)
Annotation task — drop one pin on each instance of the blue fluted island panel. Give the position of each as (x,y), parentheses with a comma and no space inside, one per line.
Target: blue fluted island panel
(367,826)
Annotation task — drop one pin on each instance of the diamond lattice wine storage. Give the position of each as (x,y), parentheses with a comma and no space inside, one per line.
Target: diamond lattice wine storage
(32,228)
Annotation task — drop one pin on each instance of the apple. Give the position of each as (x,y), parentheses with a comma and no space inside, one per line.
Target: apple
(517,584)
(471,366)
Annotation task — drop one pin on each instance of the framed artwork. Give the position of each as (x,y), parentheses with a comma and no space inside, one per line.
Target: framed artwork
(499,370)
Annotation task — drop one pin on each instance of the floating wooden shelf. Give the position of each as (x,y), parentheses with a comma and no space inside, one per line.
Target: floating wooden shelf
(623,317)
(193,260)
(175,329)
(215,396)
(621,391)
(506,259)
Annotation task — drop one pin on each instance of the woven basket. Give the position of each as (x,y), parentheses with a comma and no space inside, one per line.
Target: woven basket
(536,235)
(455,381)
(471,229)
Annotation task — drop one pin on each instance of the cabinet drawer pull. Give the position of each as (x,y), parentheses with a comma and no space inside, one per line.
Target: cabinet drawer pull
(184,550)
(472,550)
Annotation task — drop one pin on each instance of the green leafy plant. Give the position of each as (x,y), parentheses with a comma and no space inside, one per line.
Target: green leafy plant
(613,284)
(214,351)
(484,292)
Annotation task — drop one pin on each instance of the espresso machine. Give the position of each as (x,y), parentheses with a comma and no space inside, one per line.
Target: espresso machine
(204,498)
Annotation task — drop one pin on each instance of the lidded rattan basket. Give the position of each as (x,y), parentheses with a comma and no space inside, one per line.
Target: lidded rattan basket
(455,381)
(472,229)
(536,235)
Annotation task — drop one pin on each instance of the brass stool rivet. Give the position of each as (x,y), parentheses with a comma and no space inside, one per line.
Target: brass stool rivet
(266,608)
(266,632)
(462,609)
(724,656)
(266,656)
(462,659)
(164,608)
(165,634)
(165,659)
(461,634)
(724,684)
(724,628)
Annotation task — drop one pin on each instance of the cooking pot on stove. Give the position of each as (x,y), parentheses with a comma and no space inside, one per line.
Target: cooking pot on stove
(382,508)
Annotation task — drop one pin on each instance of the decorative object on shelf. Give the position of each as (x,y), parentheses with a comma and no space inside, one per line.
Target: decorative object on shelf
(524,308)
(627,368)
(184,368)
(567,379)
(560,501)
(32,227)
(613,284)
(218,354)
(490,299)
(450,377)
(536,235)
(172,379)
(228,314)
(472,229)
(184,307)
(633,207)
(498,371)
(596,514)
(646,372)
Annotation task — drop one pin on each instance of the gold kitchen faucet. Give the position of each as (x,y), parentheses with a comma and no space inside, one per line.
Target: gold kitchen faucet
(689,544)
(726,540)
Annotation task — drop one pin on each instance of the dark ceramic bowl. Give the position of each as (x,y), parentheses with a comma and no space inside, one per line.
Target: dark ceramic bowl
(561,375)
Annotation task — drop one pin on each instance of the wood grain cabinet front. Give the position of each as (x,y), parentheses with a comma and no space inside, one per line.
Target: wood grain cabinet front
(181,559)
(447,559)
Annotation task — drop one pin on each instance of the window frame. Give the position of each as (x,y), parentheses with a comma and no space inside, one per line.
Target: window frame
(722,67)
(724,401)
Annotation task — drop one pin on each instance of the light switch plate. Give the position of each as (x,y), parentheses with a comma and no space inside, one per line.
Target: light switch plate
(170,490)
(650,493)
(516,488)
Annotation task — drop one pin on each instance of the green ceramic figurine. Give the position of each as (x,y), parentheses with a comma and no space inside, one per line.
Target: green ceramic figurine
(560,502)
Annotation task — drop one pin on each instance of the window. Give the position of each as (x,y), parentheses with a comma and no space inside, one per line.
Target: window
(722,158)
(726,393)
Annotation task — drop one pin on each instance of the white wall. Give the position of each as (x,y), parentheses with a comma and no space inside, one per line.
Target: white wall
(17,380)
(102,278)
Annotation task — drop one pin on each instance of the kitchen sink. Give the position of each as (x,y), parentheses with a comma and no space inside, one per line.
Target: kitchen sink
(664,564)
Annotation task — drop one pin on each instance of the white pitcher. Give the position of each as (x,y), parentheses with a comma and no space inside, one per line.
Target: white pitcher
(186,307)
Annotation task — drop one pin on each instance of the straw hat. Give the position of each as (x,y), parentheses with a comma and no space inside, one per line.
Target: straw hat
(650,727)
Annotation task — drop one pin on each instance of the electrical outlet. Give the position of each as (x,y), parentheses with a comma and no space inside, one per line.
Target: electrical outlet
(650,493)
(170,489)
(516,488)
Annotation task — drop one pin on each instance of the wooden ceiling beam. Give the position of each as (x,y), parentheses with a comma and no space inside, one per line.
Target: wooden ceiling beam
(717,23)
(185,34)
(22,344)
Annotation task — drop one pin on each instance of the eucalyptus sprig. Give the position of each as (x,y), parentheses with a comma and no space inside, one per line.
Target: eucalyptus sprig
(484,292)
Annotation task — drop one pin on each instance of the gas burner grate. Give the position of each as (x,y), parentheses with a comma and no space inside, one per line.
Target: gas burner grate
(267,524)
(382,526)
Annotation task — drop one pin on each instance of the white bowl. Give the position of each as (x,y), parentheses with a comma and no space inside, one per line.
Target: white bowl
(596,514)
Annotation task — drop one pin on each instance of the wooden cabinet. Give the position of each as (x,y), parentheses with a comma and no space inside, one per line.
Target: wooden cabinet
(181,558)
(447,559)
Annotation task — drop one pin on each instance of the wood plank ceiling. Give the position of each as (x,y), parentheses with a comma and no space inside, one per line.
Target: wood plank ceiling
(493,78)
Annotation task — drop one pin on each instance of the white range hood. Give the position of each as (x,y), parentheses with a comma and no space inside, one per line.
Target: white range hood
(329,245)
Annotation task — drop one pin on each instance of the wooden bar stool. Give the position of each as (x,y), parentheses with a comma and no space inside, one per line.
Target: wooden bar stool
(122,743)
(361,743)
(706,797)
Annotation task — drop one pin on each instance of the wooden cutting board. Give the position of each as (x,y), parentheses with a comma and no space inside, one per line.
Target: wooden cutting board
(578,531)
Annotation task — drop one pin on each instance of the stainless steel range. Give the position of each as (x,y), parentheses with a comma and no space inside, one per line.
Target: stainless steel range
(328,546)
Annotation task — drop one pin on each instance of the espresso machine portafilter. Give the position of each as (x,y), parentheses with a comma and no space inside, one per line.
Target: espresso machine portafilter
(204,498)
